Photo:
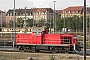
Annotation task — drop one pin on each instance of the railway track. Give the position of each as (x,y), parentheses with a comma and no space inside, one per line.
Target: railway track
(10,50)
(15,50)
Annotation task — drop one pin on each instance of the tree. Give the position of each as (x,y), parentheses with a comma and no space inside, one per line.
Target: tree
(80,24)
(29,22)
(10,23)
(59,24)
(41,23)
(73,23)
(48,23)
(20,22)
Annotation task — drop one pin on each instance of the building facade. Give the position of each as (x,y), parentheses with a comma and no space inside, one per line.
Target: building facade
(2,18)
(43,13)
(71,11)
(74,10)
(19,13)
(33,13)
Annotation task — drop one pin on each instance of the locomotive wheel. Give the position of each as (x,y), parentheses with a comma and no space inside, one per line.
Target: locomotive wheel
(60,50)
(67,50)
(33,49)
(54,50)
(19,48)
(37,50)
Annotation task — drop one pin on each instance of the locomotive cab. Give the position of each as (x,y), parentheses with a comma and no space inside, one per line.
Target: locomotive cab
(71,41)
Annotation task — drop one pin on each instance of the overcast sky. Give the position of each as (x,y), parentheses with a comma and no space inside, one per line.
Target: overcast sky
(60,4)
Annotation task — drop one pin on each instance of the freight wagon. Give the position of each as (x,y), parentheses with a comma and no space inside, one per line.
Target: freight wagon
(41,40)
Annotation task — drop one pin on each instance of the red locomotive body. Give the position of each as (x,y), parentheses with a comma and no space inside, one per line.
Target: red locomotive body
(40,40)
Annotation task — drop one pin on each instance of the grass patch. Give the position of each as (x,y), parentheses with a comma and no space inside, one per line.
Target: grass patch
(88,44)
(52,57)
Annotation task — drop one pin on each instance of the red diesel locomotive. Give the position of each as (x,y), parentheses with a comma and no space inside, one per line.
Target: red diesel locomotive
(41,40)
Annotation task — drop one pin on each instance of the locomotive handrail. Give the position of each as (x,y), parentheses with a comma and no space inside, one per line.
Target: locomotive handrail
(58,40)
(46,44)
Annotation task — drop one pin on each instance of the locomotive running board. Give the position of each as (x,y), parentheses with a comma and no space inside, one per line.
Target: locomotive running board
(45,44)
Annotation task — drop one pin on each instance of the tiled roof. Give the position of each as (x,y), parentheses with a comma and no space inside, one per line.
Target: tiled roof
(59,11)
(74,9)
(30,10)
(43,9)
(1,12)
(19,10)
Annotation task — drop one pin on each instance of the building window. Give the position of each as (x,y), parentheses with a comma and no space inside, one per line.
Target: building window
(12,14)
(15,14)
(72,11)
(8,14)
(31,13)
(28,13)
(39,13)
(18,14)
(21,13)
(65,11)
(77,12)
(69,11)
(42,12)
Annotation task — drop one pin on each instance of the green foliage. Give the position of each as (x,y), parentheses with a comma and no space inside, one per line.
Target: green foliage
(48,23)
(52,57)
(20,22)
(73,23)
(29,22)
(89,44)
(59,24)
(10,23)
(41,23)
